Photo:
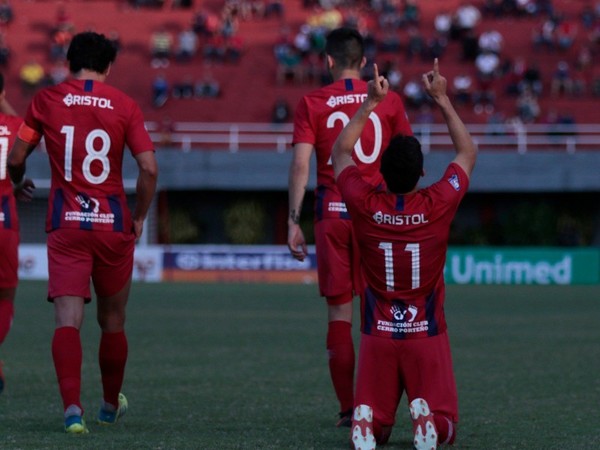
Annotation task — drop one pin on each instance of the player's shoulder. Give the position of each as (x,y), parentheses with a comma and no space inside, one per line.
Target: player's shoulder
(10,120)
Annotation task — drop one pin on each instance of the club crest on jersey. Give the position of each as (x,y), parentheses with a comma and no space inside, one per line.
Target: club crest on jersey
(403,313)
(347,99)
(4,131)
(87,100)
(88,203)
(453,180)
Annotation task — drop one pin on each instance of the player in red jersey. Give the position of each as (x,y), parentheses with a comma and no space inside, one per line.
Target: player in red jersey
(9,221)
(403,238)
(319,118)
(91,231)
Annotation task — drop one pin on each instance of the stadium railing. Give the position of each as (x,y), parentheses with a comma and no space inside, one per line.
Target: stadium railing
(510,137)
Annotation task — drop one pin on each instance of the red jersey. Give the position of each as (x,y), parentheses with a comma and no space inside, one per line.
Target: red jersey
(86,125)
(403,241)
(320,117)
(9,125)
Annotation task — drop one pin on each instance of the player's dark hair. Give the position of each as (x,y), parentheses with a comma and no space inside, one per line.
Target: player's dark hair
(1,82)
(92,51)
(402,164)
(346,46)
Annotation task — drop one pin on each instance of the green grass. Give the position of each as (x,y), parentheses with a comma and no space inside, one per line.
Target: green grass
(243,366)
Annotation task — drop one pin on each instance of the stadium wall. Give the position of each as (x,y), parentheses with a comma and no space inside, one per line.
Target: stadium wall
(273,264)
(496,171)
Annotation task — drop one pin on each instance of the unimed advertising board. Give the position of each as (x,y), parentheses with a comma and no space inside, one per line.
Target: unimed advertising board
(522,266)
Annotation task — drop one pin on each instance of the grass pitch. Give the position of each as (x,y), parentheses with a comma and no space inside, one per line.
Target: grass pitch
(243,366)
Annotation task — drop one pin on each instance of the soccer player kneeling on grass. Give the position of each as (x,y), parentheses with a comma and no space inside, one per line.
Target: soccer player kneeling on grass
(91,231)
(403,237)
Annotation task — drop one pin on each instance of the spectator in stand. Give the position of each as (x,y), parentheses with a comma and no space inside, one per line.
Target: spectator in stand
(470,46)
(487,65)
(414,93)
(561,79)
(588,16)
(394,75)
(61,35)
(566,32)
(7,14)
(234,48)
(390,16)
(584,58)
(4,50)
(160,90)
(184,89)
(58,73)
(331,17)
(436,46)
(532,79)
(289,65)
(389,42)
(466,18)
(545,35)
(208,86)
(281,111)
(229,24)
(412,14)
(32,75)
(214,48)
(516,74)
(302,40)
(462,89)
(205,23)
(161,48)
(415,45)
(274,8)
(491,41)
(187,45)
(528,108)
(442,23)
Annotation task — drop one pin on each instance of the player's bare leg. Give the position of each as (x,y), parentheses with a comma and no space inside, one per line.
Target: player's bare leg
(112,354)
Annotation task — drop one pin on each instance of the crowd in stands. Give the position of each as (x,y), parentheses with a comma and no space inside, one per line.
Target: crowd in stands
(398,36)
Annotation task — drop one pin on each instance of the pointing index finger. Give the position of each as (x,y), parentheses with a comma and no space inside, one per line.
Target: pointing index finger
(376,70)
(436,67)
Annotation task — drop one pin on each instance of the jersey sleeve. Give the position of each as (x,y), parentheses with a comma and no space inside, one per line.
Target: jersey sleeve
(303,130)
(137,137)
(451,188)
(353,187)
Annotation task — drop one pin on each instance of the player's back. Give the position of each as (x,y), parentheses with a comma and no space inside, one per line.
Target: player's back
(9,125)
(322,114)
(86,125)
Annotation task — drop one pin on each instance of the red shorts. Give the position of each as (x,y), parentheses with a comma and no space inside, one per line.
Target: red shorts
(338,258)
(76,256)
(9,261)
(421,367)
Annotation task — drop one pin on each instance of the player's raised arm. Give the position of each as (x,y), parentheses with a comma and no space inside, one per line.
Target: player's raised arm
(341,154)
(466,151)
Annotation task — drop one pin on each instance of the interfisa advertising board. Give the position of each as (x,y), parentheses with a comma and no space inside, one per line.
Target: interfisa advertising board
(273,264)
